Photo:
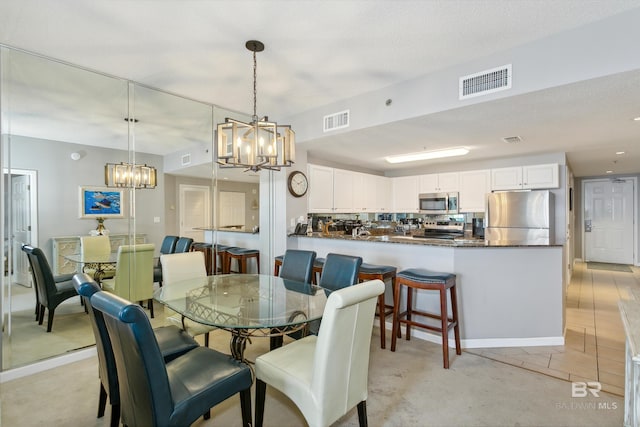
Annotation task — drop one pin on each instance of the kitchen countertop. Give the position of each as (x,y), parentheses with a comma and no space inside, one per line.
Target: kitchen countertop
(464,242)
(230,230)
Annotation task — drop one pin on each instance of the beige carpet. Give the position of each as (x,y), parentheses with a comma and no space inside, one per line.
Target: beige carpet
(406,388)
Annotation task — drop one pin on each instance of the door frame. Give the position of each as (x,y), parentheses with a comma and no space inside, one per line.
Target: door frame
(636,193)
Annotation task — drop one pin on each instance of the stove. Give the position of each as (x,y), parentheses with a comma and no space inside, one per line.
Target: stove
(445,229)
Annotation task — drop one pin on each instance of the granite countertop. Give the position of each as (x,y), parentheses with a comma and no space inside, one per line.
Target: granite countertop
(466,242)
(230,230)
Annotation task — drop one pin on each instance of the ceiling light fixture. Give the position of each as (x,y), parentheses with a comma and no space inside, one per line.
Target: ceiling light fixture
(609,172)
(619,153)
(636,119)
(129,175)
(427,155)
(257,145)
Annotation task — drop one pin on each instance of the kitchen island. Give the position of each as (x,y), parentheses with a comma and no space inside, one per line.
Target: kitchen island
(508,295)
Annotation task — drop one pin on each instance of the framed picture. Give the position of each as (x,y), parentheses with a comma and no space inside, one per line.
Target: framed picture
(101,202)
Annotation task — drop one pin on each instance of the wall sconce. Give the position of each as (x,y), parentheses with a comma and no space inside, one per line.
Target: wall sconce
(129,175)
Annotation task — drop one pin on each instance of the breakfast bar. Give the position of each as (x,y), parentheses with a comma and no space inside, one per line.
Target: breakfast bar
(508,295)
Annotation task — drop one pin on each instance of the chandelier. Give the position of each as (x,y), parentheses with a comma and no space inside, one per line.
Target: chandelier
(129,175)
(258,145)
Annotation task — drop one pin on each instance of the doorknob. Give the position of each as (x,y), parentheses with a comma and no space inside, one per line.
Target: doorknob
(587,226)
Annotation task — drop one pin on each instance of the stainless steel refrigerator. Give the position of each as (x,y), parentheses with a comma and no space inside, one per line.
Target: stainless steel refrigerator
(520,217)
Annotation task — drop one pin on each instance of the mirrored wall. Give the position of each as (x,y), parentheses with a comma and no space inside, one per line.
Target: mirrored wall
(60,125)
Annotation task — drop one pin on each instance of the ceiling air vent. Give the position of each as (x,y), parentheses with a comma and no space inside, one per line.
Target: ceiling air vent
(335,121)
(485,82)
(512,139)
(186,159)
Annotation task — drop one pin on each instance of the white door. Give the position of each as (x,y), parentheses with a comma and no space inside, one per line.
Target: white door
(608,221)
(232,210)
(23,202)
(195,210)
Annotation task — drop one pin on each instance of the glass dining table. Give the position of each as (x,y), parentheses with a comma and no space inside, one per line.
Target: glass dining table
(98,263)
(247,305)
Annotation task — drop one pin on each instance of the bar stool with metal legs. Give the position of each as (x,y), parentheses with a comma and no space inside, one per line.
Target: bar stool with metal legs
(242,255)
(385,273)
(417,278)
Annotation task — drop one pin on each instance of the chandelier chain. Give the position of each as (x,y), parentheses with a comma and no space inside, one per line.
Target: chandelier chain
(255,91)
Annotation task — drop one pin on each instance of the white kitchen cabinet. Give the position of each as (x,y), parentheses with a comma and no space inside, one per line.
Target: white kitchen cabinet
(343,191)
(382,191)
(404,191)
(439,183)
(474,186)
(525,177)
(320,198)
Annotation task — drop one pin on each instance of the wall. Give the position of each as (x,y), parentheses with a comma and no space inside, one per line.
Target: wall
(59,179)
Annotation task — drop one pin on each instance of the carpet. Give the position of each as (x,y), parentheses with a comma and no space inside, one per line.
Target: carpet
(608,267)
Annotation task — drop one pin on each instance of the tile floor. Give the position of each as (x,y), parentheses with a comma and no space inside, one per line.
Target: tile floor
(594,337)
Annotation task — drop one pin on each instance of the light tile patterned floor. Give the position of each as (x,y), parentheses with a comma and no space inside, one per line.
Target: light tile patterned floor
(594,335)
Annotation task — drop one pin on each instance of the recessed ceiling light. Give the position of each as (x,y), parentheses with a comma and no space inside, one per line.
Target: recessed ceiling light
(619,153)
(637,119)
(427,155)
(512,139)
(609,172)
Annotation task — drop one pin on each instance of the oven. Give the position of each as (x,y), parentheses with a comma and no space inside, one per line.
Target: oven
(438,203)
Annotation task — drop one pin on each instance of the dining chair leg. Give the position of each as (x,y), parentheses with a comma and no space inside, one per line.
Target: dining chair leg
(261,389)
(245,406)
(207,414)
(362,413)
(115,415)
(50,320)
(150,304)
(206,339)
(41,315)
(102,401)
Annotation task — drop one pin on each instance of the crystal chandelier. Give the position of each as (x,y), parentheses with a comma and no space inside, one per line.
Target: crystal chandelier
(129,175)
(258,145)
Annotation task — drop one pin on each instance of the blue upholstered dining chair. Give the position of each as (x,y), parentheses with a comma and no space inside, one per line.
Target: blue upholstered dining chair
(339,271)
(297,265)
(50,293)
(183,244)
(153,393)
(168,247)
(173,342)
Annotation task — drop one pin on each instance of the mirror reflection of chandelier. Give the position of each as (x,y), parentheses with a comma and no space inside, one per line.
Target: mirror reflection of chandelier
(258,145)
(129,175)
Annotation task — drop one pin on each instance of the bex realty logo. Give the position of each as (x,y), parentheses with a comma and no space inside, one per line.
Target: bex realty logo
(582,389)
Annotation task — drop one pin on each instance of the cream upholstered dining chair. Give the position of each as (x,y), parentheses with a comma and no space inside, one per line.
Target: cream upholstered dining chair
(97,247)
(326,375)
(134,274)
(185,266)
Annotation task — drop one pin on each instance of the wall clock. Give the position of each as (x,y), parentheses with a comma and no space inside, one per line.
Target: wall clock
(298,184)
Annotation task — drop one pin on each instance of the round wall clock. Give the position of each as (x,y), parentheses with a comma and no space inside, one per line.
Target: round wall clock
(298,184)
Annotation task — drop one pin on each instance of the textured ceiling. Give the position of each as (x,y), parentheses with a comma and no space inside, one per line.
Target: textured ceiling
(318,52)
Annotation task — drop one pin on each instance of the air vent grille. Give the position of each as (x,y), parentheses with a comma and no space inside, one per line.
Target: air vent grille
(335,121)
(512,139)
(485,82)
(186,159)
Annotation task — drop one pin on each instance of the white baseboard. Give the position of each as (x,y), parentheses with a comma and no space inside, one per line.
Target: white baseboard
(45,365)
(486,342)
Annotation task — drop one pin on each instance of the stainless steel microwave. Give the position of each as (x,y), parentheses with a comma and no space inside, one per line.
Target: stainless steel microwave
(438,203)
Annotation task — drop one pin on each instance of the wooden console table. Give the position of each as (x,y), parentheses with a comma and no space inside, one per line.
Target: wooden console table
(69,245)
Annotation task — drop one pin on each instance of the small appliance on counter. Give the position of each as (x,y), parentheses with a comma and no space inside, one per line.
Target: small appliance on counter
(442,229)
(477,227)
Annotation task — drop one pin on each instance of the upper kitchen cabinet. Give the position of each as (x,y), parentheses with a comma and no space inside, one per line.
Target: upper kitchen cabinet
(371,193)
(525,177)
(404,191)
(474,186)
(439,183)
(343,191)
(320,199)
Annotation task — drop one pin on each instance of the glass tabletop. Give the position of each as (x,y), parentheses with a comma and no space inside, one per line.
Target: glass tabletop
(112,258)
(244,301)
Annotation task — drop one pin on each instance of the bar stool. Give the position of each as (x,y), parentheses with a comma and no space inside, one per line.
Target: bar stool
(417,278)
(318,265)
(207,249)
(277,263)
(242,255)
(220,264)
(384,273)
